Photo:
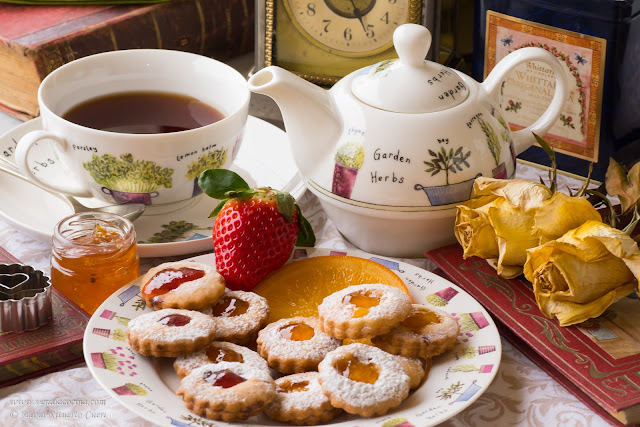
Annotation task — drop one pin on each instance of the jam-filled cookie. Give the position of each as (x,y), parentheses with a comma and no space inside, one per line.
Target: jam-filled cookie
(170,332)
(239,316)
(416,369)
(363,380)
(219,351)
(299,401)
(227,391)
(427,332)
(184,284)
(363,311)
(295,344)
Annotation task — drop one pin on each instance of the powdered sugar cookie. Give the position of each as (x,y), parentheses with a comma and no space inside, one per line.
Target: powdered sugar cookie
(239,316)
(363,311)
(184,284)
(295,344)
(363,380)
(227,391)
(427,332)
(416,369)
(299,400)
(219,351)
(170,332)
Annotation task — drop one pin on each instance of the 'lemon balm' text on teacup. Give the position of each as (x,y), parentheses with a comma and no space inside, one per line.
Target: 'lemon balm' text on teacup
(205,149)
(85,148)
(208,148)
(185,156)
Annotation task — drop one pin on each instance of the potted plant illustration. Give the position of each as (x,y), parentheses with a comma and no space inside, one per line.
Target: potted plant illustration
(128,180)
(349,159)
(447,161)
(212,160)
(500,171)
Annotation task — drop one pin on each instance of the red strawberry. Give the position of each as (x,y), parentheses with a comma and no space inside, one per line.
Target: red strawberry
(255,229)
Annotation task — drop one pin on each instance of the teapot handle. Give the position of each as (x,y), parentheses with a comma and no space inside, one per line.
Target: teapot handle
(524,138)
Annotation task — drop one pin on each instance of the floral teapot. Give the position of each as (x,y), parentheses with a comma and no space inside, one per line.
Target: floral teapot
(391,149)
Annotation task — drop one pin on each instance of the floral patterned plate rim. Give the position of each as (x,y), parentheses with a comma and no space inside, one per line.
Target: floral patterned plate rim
(181,228)
(147,385)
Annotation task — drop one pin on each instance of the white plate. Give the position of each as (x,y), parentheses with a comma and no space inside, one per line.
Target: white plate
(264,158)
(147,385)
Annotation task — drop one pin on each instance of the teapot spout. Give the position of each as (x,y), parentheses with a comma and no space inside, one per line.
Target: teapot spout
(311,122)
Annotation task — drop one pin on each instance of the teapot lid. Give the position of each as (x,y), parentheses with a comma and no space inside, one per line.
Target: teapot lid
(410,84)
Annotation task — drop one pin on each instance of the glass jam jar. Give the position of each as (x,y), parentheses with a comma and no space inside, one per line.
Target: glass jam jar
(93,255)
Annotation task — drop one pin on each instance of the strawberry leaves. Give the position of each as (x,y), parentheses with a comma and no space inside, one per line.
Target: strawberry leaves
(225,185)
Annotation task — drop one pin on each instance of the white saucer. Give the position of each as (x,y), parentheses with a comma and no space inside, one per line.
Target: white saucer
(264,159)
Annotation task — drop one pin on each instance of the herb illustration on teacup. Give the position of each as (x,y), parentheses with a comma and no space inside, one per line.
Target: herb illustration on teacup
(126,175)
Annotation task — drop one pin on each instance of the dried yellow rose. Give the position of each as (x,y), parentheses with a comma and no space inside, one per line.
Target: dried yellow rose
(504,218)
(579,275)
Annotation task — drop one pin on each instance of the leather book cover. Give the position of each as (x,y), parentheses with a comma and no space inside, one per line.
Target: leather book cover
(35,40)
(49,348)
(597,360)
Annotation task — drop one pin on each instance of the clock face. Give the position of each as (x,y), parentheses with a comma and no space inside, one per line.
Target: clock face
(349,27)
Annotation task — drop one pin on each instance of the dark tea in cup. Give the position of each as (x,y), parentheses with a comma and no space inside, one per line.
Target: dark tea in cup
(143,113)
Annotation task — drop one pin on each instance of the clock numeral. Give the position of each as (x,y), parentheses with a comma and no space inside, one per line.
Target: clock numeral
(385,18)
(311,9)
(370,33)
(326,27)
(347,34)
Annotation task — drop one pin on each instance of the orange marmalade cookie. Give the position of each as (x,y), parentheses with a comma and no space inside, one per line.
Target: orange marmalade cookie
(184,284)
(426,332)
(363,380)
(416,369)
(363,311)
(239,316)
(295,344)
(227,391)
(219,351)
(170,332)
(299,400)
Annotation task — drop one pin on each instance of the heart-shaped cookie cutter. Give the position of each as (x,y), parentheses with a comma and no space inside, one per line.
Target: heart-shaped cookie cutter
(25,298)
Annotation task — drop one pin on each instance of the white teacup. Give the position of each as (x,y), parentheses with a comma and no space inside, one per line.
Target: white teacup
(176,156)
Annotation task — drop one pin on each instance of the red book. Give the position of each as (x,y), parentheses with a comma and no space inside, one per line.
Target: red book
(52,347)
(598,360)
(35,40)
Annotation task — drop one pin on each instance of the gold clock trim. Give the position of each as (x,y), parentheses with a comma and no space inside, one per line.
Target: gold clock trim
(415,15)
(339,52)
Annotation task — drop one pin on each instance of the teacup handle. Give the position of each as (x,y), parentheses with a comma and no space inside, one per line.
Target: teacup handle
(23,148)
(524,138)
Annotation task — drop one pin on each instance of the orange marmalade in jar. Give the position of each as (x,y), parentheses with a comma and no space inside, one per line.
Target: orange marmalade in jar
(93,255)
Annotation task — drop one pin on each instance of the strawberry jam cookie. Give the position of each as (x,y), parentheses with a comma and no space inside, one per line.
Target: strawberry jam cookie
(219,351)
(183,284)
(426,332)
(363,311)
(295,344)
(239,316)
(363,380)
(170,332)
(227,391)
(299,401)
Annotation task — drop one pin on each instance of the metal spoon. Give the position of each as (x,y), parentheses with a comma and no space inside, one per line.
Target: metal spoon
(131,211)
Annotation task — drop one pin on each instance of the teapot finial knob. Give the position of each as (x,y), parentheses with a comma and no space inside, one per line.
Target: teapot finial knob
(412,42)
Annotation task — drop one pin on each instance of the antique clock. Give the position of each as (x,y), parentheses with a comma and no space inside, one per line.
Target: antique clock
(324,40)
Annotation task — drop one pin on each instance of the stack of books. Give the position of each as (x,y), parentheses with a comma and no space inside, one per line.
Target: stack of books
(35,40)
(598,361)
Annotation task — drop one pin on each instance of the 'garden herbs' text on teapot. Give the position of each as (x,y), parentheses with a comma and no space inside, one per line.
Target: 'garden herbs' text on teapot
(391,149)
